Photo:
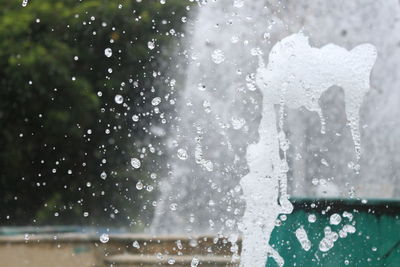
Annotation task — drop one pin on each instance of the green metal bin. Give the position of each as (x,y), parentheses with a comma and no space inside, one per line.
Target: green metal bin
(376,241)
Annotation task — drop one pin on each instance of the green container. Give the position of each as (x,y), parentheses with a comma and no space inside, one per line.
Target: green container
(376,241)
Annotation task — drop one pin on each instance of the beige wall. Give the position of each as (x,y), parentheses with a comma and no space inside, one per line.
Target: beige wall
(85,250)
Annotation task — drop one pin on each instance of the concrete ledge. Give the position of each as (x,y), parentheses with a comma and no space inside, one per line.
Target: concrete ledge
(165,260)
(86,250)
(83,237)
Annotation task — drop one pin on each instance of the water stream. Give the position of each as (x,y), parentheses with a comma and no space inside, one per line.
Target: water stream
(296,76)
(235,107)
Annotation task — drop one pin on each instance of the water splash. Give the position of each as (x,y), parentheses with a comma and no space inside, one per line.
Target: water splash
(217,101)
(329,240)
(198,154)
(302,236)
(296,76)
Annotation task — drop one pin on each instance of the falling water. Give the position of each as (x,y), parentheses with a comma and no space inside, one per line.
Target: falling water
(217,118)
(222,101)
(296,76)
(323,165)
(220,110)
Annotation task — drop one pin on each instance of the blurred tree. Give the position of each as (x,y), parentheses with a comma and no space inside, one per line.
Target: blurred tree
(77,82)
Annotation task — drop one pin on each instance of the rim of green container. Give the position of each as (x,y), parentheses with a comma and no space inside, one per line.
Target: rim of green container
(373,206)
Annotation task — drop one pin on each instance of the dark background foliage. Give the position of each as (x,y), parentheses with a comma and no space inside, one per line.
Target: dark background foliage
(60,125)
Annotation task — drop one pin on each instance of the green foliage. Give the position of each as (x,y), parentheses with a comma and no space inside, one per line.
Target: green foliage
(60,126)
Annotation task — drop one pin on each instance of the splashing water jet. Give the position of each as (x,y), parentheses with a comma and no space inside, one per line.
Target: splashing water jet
(296,76)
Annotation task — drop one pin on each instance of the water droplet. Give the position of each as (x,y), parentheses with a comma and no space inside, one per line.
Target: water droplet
(266,35)
(353,166)
(234,39)
(327,230)
(182,154)
(329,240)
(348,215)
(103,175)
(325,244)
(179,244)
(104,238)
(173,206)
(118,99)
(335,219)
(139,185)
(218,56)
(349,229)
(250,82)
(207,106)
(108,52)
(324,162)
(201,87)
(24,3)
(195,262)
(193,243)
(149,188)
(156,101)
(237,123)
(135,118)
(230,223)
(302,237)
(208,165)
(136,244)
(312,218)
(342,234)
(135,163)
(171,261)
(238,3)
(256,51)
(151,45)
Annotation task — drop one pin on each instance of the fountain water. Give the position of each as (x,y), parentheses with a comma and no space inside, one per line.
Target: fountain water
(221,108)
(221,100)
(296,76)
(202,192)
(318,160)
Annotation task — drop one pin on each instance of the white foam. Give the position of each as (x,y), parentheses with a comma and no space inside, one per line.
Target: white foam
(296,76)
